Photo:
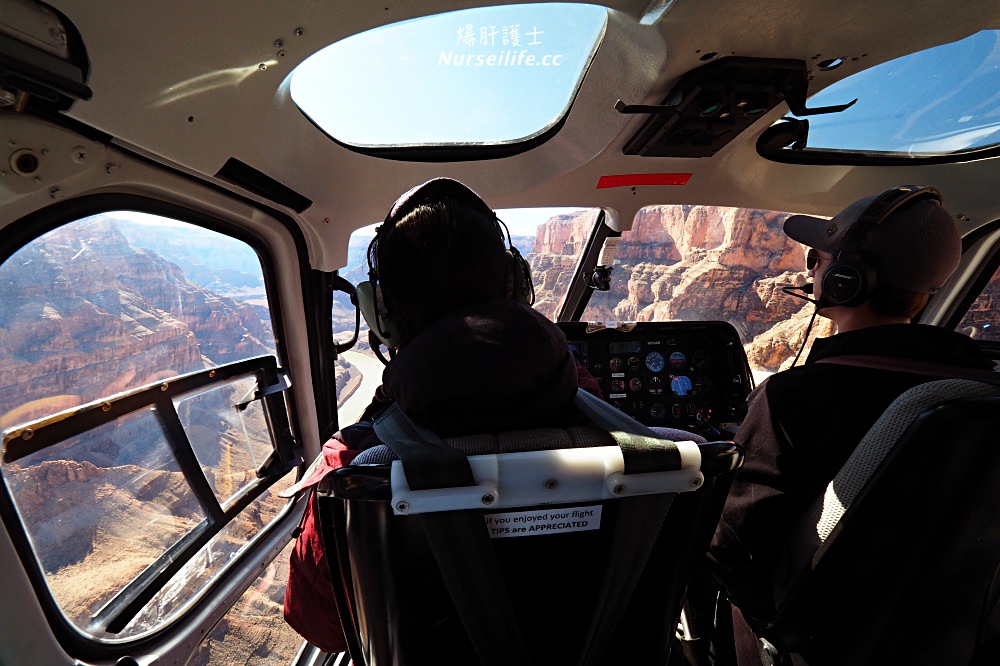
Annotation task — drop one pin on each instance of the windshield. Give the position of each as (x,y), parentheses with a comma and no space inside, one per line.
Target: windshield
(693,263)
(712,263)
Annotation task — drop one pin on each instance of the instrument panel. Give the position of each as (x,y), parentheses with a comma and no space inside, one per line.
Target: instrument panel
(684,375)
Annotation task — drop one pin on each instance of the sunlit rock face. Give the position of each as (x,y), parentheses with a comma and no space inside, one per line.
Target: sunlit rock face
(695,263)
(85,315)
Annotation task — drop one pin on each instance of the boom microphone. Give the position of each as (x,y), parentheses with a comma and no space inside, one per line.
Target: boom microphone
(805,289)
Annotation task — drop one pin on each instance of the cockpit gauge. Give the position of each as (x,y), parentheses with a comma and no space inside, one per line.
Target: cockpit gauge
(681,385)
(655,361)
(667,373)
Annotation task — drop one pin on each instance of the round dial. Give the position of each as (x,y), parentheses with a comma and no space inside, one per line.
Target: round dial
(635,384)
(657,411)
(681,385)
(655,361)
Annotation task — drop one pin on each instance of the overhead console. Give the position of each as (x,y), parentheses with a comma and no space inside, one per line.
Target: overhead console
(684,375)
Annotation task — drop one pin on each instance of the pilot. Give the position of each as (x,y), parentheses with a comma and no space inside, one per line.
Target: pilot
(874,267)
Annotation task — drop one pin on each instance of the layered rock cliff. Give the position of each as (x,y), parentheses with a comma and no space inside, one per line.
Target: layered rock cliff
(85,315)
(691,263)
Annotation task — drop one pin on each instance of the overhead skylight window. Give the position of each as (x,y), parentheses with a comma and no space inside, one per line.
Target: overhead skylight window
(939,101)
(493,75)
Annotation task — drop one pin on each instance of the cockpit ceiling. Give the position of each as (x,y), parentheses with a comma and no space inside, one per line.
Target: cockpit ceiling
(198,87)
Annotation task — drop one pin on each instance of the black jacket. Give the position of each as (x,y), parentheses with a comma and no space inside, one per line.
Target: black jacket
(801,426)
(495,366)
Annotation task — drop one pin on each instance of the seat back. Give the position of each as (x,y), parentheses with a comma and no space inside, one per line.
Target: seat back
(894,564)
(554,565)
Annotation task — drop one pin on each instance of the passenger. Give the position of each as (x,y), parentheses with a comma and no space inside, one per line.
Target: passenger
(803,423)
(470,355)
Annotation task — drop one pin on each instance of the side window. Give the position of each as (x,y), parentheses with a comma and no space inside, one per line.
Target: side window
(253,632)
(980,320)
(143,412)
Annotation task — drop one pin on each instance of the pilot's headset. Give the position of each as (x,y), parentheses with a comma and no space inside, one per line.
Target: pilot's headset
(851,278)
(380,320)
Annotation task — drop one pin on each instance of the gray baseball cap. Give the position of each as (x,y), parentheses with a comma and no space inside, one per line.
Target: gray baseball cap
(916,247)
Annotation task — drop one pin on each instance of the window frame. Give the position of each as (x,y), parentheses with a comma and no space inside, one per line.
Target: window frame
(278,401)
(466,151)
(969,291)
(35,436)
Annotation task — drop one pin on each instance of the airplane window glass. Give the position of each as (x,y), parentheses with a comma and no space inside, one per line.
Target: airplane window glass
(144,424)
(550,239)
(226,412)
(102,507)
(713,263)
(253,632)
(200,570)
(978,321)
(489,75)
(941,100)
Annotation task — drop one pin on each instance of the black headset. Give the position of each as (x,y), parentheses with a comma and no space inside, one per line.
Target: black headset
(850,279)
(379,319)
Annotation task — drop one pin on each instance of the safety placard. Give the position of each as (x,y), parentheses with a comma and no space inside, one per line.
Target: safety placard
(548,521)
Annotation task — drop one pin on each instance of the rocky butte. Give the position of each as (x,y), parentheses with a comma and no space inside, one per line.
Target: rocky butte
(691,263)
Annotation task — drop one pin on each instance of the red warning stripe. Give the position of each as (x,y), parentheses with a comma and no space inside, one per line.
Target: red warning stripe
(634,179)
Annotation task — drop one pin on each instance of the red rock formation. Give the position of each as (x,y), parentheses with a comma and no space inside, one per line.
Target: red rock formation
(692,263)
(84,314)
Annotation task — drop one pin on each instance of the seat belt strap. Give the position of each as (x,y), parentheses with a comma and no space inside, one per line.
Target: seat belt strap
(470,570)
(427,461)
(914,366)
(637,529)
(459,540)
(642,450)
(639,520)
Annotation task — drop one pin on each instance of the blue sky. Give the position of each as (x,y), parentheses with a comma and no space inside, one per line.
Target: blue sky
(940,100)
(490,75)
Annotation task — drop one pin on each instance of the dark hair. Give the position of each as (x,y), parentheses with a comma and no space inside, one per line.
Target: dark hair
(439,257)
(894,302)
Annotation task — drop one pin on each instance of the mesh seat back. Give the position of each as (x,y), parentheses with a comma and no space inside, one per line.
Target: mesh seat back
(824,515)
(403,611)
(896,555)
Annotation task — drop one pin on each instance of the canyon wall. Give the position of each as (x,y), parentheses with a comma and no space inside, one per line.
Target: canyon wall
(691,263)
(83,314)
